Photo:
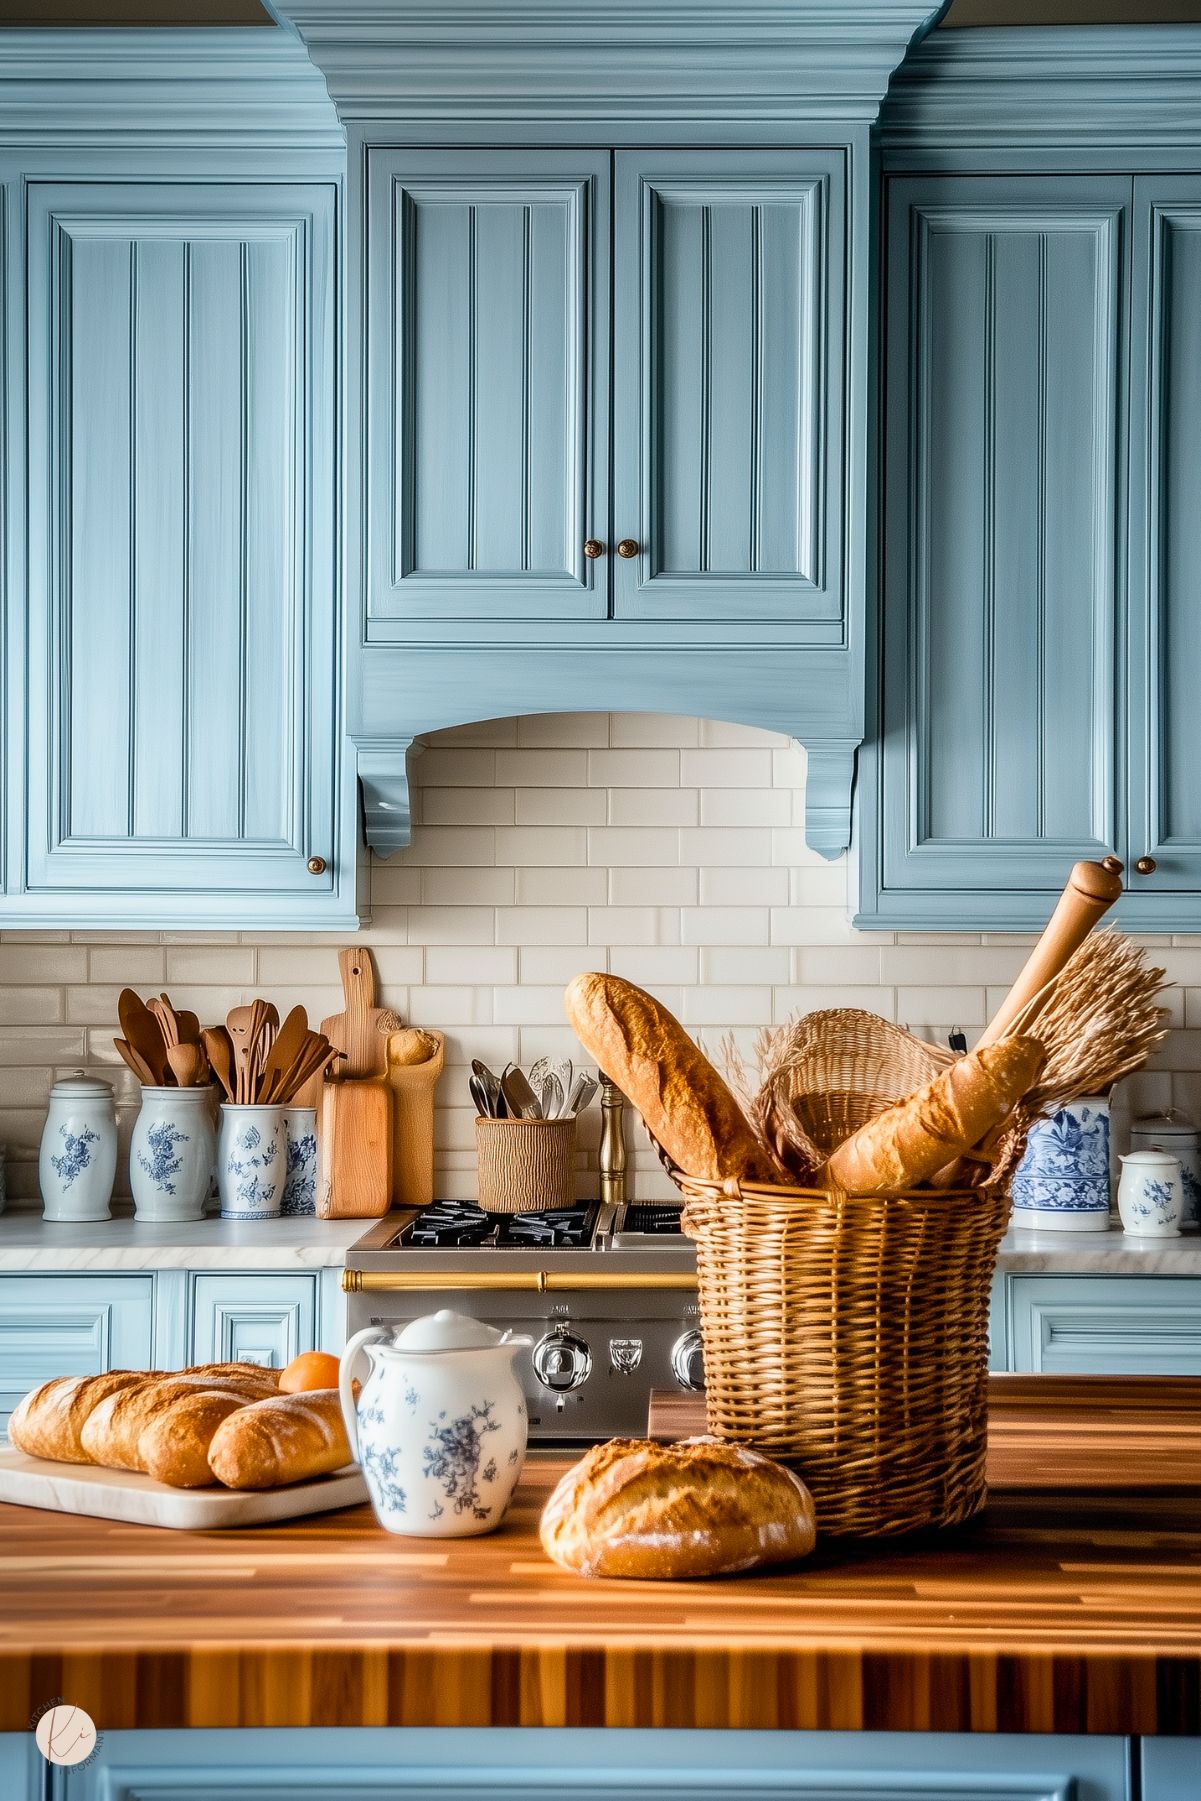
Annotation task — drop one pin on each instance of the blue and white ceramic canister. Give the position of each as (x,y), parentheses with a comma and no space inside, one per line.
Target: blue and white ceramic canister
(251,1162)
(300,1179)
(1175,1133)
(1150,1194)
(79,1150)
(440,1426)
(1062,1181)
(172,1153)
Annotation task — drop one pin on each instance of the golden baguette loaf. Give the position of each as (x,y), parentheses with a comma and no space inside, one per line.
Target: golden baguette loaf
(287,1438)
(112,1431)
(686,1105)
(905,1145)
(174,1447)
(49,1420)
(701,1508)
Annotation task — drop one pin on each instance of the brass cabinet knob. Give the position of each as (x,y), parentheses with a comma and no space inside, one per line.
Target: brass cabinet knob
(316,865)
(628,547)
(1114,865)
(1146,866)
(593,547)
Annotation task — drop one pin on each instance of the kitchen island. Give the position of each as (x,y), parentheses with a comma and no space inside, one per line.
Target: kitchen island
(1071,1606)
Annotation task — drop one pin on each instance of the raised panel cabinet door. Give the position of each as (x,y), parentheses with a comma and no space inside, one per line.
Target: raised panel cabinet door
(182,645)
(729,341)
(1165,534)
(1106,1325)
(1002,419)
(70,1326)
(487,385)
(252,1319)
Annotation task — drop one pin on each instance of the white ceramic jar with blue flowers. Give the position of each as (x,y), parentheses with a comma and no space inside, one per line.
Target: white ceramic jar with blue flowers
(251,1162)
(79,1150)
(1151,1194)
(172,1153)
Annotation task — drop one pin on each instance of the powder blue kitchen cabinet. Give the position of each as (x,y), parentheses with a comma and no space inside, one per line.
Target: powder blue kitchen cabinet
(70,1326)
(1072,1325)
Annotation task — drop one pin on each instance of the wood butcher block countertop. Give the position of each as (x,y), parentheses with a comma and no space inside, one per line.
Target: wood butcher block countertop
(1072,1604)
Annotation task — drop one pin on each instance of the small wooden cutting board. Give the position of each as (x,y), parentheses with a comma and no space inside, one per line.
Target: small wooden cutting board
(359,1031)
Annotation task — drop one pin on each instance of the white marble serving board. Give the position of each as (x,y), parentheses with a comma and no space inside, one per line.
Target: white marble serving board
(122,1495)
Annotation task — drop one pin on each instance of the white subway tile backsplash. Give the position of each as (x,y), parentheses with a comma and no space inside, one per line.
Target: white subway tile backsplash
(669,850)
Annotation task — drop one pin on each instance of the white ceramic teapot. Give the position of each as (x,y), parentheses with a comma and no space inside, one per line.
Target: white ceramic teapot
(440,1427)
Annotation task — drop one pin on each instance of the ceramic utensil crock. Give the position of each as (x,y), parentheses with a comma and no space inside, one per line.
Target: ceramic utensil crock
(1062,1182)
(1151,1194)
(440,1427)
(300,1180)
(251,1162)
(79,1150)
(172,1153)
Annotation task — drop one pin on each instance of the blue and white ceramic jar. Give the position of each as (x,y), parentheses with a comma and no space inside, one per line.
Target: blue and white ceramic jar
(300,1180)
(1174,1133)
(1062,1182)
(1151,1194)
(251,1162)
(172,1153)
(79,1150)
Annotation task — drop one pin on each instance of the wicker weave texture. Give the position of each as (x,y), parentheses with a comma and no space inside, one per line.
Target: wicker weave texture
(848,1337)
(525,1164)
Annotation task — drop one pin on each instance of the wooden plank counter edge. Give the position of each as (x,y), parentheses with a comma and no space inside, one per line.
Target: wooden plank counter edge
(1068,1610)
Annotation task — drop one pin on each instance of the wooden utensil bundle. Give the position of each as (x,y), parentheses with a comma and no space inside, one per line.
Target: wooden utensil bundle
(162,1046)
(258,1062)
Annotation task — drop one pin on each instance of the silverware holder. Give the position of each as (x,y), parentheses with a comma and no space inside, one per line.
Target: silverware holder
(525,1165)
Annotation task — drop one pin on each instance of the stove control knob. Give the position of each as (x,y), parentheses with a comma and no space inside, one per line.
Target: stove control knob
(688,1362)
(562,1361)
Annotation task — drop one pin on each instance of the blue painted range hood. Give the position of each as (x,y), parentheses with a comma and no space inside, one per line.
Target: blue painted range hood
(606,421)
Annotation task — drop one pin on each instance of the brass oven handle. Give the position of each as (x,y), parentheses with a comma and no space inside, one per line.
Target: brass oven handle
(541,1281)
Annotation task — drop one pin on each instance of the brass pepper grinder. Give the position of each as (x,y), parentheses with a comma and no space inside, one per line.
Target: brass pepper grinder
(612,1144)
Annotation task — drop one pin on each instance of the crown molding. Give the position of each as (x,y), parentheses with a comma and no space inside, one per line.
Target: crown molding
(122,86)
(571,60)
(1047,86)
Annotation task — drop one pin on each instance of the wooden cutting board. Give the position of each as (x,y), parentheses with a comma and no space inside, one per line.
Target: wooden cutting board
(122,1495)
(355,1142)
(359,1031)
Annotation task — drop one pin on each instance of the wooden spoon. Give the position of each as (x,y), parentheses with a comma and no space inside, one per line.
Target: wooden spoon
(189,1065)
(139,1066)
(245,1027)
(188,1026)
(143,1034)
(164,1012)
(221,1057)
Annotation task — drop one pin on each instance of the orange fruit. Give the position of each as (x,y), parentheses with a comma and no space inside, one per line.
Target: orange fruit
(312,1369)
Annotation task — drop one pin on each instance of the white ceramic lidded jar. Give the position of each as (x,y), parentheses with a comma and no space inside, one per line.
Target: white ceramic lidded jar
(78,1157)
(440,1428)
(251,1162)
(172,1153)
(1174,1133)
(1151,1194)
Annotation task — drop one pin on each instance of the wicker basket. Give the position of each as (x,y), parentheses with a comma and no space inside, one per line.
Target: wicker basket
(525,1165)
(848,1336)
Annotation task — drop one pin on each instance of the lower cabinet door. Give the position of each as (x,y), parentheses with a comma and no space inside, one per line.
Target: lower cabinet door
(252,1319)
(539,1764)
(1106,1325)
(70,1326)
(1171,1769)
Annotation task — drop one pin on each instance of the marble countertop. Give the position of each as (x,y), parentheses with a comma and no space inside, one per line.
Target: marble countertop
(28,1242)
(1027,1252)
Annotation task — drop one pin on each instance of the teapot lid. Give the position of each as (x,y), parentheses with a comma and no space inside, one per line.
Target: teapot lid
(448,1331)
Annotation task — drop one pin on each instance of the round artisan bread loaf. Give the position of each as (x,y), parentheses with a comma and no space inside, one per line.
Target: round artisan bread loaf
(686,1105)
(633,1507)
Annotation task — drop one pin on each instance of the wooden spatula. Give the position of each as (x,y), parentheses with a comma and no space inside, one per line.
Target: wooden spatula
(288,1041)
(140,1068)
(141,1032)
(220,1055)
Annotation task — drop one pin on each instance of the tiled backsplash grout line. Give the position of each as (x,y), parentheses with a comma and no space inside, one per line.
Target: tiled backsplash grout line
(668,849)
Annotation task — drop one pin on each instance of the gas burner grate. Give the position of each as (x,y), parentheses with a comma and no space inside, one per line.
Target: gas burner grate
(456,1225)
(652,1221)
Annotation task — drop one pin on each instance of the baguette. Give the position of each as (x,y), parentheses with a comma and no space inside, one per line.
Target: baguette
(686,1105)
(287,1438)
(49,1420)
(112,1431)
(174,1447)
(905,1145)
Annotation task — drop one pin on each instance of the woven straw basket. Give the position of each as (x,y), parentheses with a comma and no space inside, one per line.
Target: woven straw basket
(848,1337)
(525,1164)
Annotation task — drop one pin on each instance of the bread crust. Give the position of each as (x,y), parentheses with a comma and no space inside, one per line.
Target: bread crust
(684,1101)
(174,1447)
(637,1508)
(49,1421)
(286,1438)
(907,1144)
(112,1431)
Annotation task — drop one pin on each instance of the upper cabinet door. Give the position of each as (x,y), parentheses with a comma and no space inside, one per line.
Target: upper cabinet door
(182,644)
(1002,425)
(729,469)
(1165,536)
(487,389)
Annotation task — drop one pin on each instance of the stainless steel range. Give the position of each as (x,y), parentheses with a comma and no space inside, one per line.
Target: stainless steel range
(608,1295)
